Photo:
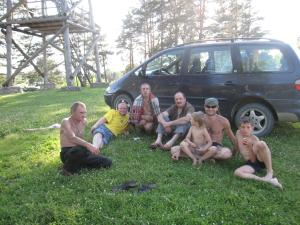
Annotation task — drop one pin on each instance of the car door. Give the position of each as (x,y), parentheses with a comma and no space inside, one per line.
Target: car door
(163,72)
(211,72)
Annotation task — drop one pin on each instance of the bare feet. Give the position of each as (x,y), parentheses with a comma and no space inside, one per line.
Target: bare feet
(275,183)
(195,162)
(199,162)
(155,145)
(175,157)
(166,147)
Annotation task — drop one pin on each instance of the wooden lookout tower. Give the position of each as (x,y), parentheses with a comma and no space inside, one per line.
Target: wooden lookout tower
(54,22)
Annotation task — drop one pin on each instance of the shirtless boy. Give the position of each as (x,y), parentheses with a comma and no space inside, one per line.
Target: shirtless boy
(197,140)
(77,153)
(256,153)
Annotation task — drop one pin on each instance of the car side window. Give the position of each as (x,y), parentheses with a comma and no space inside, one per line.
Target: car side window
(169,63)
(210,61)
(262,59)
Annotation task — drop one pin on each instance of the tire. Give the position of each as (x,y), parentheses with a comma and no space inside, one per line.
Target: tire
(121,97)
(260,116)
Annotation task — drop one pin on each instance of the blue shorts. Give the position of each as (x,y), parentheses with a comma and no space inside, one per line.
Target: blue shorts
(106,133)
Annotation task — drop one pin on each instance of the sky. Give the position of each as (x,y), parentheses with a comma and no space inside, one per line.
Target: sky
(281,20)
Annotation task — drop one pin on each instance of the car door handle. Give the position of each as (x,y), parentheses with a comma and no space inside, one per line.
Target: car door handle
(229,83)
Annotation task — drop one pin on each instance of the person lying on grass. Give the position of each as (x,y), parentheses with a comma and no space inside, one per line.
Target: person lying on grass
(196,142)
(256,153)
(113,123)
(77,153)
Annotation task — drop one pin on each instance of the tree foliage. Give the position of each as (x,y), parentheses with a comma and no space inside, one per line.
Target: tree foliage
(159,24)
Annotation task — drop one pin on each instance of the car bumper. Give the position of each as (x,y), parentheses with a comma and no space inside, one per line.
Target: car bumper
(287,110)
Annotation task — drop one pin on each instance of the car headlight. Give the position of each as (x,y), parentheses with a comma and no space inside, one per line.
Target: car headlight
(108,89)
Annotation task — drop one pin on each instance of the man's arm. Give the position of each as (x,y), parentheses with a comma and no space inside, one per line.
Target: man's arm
(69,133)
(102,120)
(160,117)
(181,120)
(231,136)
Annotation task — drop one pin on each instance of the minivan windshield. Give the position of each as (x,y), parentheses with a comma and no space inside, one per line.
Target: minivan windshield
(168,63)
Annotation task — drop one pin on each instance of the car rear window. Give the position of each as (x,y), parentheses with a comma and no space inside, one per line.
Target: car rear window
(263,59)
(210,61)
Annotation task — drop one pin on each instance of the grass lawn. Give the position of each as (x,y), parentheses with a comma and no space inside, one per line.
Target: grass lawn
(33,192)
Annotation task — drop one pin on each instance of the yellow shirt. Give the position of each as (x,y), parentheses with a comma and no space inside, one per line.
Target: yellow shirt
(116,123)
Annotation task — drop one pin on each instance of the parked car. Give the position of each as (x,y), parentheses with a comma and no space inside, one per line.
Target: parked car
(259,78)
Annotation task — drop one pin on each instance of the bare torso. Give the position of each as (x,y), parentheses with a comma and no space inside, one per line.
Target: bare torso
(246,150)
(215,126)
(197,136)
(147,110)
(68,129)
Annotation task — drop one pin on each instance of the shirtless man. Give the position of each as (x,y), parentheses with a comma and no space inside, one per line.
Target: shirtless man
(77,153)
(216,126)
(145,109)
(256,153)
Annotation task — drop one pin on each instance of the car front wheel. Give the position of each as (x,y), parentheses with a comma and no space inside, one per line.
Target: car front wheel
(260,116)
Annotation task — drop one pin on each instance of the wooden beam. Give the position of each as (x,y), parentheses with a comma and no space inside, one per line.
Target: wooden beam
(37,52)
(86,55)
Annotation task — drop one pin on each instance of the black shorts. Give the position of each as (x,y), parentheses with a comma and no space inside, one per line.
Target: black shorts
(218,145)
(257,165)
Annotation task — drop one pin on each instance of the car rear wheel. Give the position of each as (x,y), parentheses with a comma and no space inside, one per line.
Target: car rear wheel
(123,97)
(260,116)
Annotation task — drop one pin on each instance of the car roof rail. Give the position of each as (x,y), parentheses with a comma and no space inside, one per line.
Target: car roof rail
(232,40)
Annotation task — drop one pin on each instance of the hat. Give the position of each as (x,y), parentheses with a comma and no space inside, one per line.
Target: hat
(211,102)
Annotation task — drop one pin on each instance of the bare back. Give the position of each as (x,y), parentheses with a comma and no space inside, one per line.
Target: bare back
(70,129)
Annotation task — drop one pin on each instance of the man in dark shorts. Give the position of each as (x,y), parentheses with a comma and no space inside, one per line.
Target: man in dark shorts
(77,153)
(256,153)
(216,125)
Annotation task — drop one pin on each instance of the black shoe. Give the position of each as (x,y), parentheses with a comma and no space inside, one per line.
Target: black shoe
(146,187)
(125,186)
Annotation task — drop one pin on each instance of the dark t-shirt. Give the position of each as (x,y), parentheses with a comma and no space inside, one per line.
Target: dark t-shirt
(173,111)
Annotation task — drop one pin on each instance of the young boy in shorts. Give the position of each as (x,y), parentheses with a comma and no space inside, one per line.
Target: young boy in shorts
(197,140)
(256,153)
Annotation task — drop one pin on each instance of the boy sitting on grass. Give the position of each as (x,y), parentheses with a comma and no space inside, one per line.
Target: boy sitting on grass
(197,140)
(256,153)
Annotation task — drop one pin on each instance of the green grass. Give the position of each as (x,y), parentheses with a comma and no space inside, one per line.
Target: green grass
(33,192)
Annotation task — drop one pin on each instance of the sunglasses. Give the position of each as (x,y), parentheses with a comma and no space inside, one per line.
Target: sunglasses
(211,107)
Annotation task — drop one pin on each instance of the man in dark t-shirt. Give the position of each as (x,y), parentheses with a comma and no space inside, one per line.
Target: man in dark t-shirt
(175,121)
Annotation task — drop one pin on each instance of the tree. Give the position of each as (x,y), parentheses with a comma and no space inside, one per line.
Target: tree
(54,74)
(235,18)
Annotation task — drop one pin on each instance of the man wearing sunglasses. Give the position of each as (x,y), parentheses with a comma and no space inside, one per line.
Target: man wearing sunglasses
(216,126)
